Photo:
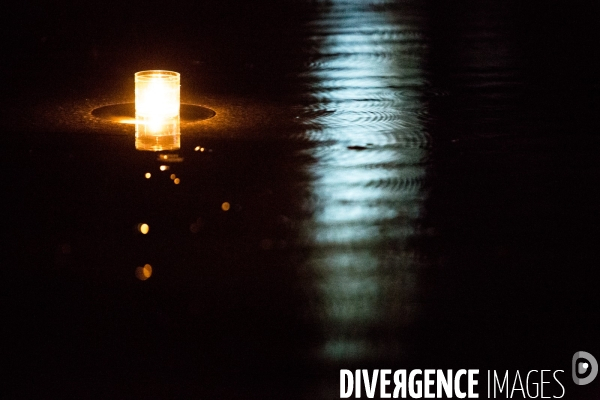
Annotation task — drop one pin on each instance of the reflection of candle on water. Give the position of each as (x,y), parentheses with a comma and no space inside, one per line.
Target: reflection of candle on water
(157,110)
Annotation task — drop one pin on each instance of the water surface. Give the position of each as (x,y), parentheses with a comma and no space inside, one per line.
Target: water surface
(384,184)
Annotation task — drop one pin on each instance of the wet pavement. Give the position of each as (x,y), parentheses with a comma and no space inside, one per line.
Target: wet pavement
(383,185)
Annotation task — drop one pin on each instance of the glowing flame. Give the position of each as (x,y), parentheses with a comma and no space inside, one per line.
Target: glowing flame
(157,110)
(157,94)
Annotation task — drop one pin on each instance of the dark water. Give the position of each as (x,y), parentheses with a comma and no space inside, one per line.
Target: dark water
(384,185)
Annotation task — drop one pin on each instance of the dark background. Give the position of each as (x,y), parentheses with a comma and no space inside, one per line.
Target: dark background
(505,240)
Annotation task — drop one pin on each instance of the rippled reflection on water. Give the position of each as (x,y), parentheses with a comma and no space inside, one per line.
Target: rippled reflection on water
(312,224)
(366,124)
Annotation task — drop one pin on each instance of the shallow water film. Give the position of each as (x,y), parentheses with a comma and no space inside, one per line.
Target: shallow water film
(359,185)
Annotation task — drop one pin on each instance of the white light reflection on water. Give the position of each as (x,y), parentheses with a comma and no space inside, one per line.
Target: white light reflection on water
(369,151)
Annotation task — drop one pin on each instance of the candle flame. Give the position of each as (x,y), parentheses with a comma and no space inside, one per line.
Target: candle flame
(157,110)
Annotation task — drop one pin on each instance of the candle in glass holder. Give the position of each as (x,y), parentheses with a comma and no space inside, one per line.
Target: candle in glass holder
(157,110)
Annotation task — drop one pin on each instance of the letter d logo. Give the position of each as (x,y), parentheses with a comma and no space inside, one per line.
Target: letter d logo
(583,367)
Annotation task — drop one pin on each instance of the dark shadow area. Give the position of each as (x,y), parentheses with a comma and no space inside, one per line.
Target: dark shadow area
(419,190)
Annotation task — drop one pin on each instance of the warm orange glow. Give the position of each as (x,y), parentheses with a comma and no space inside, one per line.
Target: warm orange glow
(127,121)
(148,175)
(157,110)
(173,176)
(147,270)
(139,273)
(225,206)
(143,228)
(163,167)
(171,158)
(176,181)
(143,273)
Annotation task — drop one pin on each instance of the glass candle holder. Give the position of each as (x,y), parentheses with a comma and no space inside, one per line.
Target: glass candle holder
(157,110)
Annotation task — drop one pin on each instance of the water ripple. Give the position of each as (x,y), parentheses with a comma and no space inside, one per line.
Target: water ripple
(364,115)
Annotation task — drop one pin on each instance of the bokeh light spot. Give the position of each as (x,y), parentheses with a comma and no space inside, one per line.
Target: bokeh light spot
(225,206)
(148,175)
(176,181)
(143,228)
(143,273)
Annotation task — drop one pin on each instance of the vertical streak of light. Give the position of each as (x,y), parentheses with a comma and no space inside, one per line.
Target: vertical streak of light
(366,179)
